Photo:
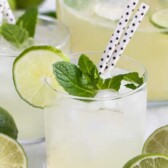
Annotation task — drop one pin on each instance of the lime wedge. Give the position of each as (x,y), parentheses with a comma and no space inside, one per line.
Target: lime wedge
(148,161)
(33,73)
(12,154)
(157,142)
(160,18)
(7,124)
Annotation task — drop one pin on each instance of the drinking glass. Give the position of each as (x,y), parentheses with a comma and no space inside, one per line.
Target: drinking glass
(97,19)
(29,120)
(104,131)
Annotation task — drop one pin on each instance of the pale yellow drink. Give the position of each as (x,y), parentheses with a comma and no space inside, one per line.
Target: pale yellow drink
(89,31)
(104,131)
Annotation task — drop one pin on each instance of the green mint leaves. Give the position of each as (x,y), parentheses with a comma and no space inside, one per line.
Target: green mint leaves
(84,79)
(15,34)
(19,33)
(28,21)
(70,77)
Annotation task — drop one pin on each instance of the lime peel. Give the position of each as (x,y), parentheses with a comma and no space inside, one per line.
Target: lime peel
(143,161)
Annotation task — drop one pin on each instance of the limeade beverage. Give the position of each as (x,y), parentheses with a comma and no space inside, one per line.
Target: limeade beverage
(29,120)
(96,19)
(104,131)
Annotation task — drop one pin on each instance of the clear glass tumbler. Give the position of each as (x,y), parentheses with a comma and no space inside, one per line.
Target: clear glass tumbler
(29,120)
(105,131)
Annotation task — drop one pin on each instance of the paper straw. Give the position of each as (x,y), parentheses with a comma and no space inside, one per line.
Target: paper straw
(134,24)
(117,34)
(8,14)
(1,12)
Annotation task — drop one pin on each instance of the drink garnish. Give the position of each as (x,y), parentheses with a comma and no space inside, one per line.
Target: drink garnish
(17,34)
(160,19)
(148,161)
(84,80)
(122,35)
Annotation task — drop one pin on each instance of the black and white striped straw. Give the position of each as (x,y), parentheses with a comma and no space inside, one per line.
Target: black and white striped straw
(122,36)
(114,40)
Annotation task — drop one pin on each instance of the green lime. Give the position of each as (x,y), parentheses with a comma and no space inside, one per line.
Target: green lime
(160,18)
(157,142)
(148,161)
(33,72)
(7,124)
(12,154)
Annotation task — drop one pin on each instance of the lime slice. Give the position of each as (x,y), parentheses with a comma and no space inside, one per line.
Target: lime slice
(33,73)
(160,18)
(157,142)
(148,161)
(12,154)
(7,124)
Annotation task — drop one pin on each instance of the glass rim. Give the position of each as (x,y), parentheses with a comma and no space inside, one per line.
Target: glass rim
(51,20)
(120,96)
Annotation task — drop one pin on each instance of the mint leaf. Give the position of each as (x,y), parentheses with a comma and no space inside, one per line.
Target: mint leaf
(90,72)
(28,21)
(115,82)
(14,34)
(84,79)
(70,77)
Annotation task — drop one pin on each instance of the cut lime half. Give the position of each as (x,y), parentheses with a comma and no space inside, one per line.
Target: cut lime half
(157,142)
(12,154)
(160,18)
(33,73)
(148,161)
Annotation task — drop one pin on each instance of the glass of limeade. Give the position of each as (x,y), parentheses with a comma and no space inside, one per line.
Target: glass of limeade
(96,19)
(103,131)
(29,120)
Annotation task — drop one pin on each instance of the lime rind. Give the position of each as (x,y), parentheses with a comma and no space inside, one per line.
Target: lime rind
(151,142)
(19,151)
(41,56)
(160,19)
(143,161)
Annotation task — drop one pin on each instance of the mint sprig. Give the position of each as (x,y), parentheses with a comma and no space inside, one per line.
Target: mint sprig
(84,79)
(72,80)
(28,21)
(25,27)
(15,34)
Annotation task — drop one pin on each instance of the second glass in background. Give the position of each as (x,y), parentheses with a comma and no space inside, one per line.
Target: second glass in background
(29,120)
(97,19)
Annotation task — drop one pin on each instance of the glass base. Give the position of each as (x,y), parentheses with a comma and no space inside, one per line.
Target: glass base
(31,141)
(163,103)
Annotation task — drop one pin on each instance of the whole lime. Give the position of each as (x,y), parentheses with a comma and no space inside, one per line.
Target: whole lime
(7,124)
(27,3)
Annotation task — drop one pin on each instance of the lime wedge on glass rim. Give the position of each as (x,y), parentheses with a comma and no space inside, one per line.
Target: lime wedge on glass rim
(157,142)
(32,70)
(160,18)
(148,161)
(12,154)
